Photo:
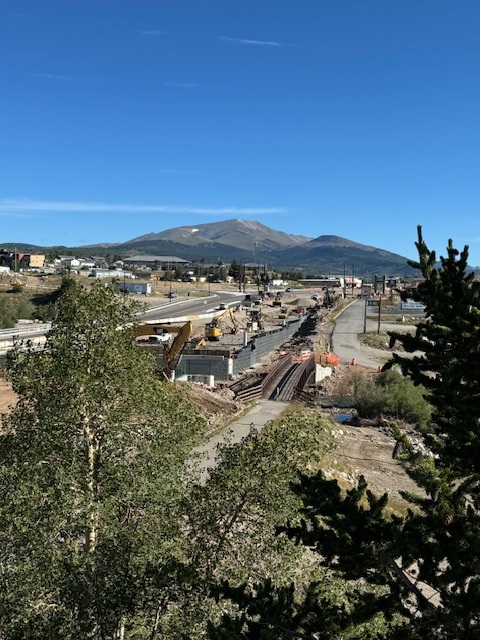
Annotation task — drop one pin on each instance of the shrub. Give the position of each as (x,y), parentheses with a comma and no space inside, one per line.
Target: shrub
(13,307)
(390,394)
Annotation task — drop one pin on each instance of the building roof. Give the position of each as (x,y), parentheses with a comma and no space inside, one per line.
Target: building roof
(147,258)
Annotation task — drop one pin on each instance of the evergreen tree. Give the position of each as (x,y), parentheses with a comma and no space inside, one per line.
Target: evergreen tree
(424,567)
(447,352)
(91,464)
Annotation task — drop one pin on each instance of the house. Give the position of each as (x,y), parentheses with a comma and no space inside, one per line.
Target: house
(86,263)
(67,262)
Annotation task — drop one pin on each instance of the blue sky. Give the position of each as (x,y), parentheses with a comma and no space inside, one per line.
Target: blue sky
(353,118)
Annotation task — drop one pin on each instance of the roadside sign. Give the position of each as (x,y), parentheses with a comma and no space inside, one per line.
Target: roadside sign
(372,303)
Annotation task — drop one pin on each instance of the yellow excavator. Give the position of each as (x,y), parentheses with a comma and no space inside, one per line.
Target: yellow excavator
(161,333)
(172,353)
(156,329)
(212,328)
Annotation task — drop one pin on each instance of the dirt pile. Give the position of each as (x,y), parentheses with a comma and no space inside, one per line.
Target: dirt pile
(218,407)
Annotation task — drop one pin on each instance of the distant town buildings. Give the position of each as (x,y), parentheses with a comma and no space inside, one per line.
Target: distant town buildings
(17,260)
(155,263)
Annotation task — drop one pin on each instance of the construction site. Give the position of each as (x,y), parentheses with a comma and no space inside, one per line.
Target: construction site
(268,347)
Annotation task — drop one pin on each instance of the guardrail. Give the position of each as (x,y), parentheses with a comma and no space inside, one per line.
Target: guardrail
(27,328)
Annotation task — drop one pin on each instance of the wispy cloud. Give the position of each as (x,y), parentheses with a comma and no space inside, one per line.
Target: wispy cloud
(13,206)
(182,85)
(261,43)
(15,214)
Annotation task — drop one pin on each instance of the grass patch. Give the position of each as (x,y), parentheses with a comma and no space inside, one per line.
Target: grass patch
(379,340)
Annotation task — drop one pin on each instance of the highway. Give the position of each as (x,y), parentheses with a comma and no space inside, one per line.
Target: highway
(178,310)
(188,307)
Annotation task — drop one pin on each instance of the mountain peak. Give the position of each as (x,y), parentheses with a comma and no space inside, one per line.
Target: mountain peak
(242,234)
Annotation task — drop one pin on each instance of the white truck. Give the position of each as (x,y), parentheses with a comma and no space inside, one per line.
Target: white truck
(157,338)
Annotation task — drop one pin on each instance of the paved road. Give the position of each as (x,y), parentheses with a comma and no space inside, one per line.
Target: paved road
(256,418)
(165,310)
(345,342)
(184,308)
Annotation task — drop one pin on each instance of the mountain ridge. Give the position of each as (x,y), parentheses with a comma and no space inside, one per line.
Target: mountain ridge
(251,241)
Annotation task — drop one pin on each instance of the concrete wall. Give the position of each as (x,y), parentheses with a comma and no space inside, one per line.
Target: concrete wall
(322,372)
(222,366)
(205,364)
(263,344)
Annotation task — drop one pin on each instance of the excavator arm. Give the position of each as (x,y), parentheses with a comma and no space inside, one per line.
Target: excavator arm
(171,355)
(151,329)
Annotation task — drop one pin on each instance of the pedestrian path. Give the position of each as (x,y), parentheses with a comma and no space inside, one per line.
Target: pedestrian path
(264,411)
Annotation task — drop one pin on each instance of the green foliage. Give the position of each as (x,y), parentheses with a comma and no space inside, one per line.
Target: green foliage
(422,569)
(340,604)
(44,303)
(450,342)
(391,394)
(14,306)
(231,520)
(91,473)
(268,584)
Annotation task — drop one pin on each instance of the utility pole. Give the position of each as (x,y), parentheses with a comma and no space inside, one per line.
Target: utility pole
(379,311)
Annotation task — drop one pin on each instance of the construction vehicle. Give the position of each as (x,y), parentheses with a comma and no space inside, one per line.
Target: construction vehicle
(172,353)
(155,333)
(277,301)
(200,343)
(255,321)
(156,339)
(156,329)
(283,313)
(147,330)
(328,299)
(212,328)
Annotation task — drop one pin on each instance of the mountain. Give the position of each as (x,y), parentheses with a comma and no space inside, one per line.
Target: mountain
(241,234)
(334,254)
(255,242)
(23,247)
(249,241)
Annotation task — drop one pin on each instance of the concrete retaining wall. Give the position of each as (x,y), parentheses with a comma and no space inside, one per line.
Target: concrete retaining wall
(223,367)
